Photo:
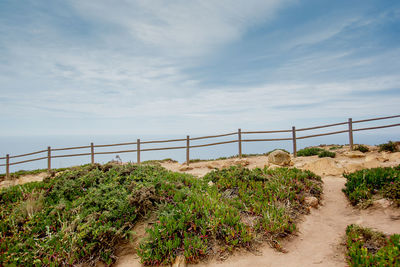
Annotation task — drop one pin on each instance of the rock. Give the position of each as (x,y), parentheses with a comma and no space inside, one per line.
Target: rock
(375,157)
(371,164)
(394,156)
(210,183)
(352,167)
(354,154)
(279,157)
(180,261)
(324,166)
(241,162)
(311,201)
(185,168)
(382,203)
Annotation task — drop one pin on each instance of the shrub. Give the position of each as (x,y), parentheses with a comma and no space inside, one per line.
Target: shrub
(310,151)
(325,153)
(361,148)
(366,247)
(389,146)
(362,185)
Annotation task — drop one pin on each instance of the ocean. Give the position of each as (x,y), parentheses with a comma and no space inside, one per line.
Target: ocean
(15,145)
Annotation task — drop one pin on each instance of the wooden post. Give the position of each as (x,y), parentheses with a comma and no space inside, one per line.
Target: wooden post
(240,142)
(187,150)
(92,152)
(48,159)
(138,151)
(7,166)
(294,141)
(351,133)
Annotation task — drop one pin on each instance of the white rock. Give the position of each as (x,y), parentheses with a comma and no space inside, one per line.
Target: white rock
(311,201)
(279,157)
(180,261)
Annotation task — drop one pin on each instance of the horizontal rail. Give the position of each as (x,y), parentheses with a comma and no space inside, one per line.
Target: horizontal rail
(322,126)
(28,160)
(120,144)
(163,148)
(380,118)
(28,154)
(114,152)
(212,136)
(316,135)
(376,127)
(70,155)
(69,148)
(271,139)
(260,132)
(162,141)
(214,144)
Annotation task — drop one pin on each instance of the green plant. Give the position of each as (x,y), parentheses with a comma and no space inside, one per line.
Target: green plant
(361,148)
(336,147)
(310,151)
(366,247)
(389,146)
(326,153)
(362,185)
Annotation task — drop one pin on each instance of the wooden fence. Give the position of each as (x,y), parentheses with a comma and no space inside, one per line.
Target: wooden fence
(187,142)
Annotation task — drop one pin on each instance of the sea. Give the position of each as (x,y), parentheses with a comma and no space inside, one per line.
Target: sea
(16,145)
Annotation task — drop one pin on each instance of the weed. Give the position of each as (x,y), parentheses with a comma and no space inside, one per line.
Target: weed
(325,153)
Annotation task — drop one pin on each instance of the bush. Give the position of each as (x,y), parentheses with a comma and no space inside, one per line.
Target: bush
(361,148)
(366,247)
(314,151)
(325,153)
(389,146)
(310,151)
(362,185)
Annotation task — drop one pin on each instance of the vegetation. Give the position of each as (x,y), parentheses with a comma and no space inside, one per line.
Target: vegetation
(314,151)
(82,214)
(361,148)
(336,147)
(366,247)
(389,146)
(232,208)
(362,185)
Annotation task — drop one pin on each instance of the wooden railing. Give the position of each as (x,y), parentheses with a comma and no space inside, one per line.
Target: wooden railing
(187,143)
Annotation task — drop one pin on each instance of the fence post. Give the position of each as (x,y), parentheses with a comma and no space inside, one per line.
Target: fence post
(92,152)
(240,142)
(138,151)
(294,141)
(351,133)
(48,159)
(7,166)
(187,149)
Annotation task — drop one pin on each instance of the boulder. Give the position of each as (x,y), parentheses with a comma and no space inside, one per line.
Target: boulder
(241,162)
(311,201)
(279,157)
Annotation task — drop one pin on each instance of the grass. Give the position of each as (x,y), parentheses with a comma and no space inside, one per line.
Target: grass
(82,215)
(362,185)
(314,151)
(366,247)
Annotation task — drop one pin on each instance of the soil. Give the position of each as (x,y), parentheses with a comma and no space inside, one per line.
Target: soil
(319,240)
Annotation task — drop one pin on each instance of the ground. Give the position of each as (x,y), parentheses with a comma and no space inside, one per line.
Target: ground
(320,236)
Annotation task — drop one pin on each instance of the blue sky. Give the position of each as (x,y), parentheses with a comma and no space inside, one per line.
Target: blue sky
(193,67)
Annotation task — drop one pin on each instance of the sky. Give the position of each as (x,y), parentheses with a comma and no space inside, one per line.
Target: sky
(179,67)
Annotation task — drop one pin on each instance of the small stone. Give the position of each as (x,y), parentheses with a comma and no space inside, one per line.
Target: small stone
(311,201)
(180,261)
(210,183)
